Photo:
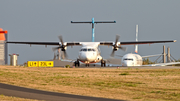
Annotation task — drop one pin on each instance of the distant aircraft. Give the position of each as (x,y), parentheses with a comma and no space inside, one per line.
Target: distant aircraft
(131,59)
(90,52)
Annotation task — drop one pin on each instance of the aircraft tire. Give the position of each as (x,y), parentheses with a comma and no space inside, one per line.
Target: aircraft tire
(75,63)
(104,63)
(78,64)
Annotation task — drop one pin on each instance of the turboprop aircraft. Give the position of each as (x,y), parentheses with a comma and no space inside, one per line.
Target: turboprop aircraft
(90,52)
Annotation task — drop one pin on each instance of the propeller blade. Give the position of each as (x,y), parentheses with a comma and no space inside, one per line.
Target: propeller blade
(119,55)
(112,54)
(55,48)
(60,38)
(54,56)
(115,45)
(117,38)
(123,48)
(65,54)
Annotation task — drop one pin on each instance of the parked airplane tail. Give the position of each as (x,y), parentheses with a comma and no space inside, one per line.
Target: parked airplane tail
(136,46)
(2,37)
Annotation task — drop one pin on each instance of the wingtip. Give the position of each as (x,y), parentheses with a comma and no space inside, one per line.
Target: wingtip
(175,40)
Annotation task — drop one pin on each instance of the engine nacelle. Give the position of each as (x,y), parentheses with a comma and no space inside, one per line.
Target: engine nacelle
(99,58)
(115,49)
(63,49)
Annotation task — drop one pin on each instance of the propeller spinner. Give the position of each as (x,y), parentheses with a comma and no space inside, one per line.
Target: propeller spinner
(63,47)
(116,47)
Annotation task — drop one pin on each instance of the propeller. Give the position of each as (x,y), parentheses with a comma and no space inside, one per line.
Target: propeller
(115,46)
(54,56)
(62,47)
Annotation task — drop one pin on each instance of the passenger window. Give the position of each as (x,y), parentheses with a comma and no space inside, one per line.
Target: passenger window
(128,59)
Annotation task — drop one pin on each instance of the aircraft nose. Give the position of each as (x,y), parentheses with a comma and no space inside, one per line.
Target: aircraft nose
(85,56)
(128,63)
(82,56)
(124,64)
(88,57)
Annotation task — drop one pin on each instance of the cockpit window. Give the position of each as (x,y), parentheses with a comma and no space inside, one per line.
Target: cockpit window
(89,49)
(85,49)
(128,59)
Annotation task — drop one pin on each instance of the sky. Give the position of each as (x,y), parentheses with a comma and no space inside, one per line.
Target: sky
(45,20)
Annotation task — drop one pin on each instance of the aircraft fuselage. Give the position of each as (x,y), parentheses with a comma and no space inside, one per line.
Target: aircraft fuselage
(89,55)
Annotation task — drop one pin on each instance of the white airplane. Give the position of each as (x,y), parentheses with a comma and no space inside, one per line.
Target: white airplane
(90,52)
(131,59)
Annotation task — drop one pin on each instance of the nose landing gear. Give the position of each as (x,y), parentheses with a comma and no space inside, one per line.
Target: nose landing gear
(87,65)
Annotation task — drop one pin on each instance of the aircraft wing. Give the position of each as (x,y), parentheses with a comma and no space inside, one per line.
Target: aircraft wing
(145,42)
(163,64)
(34,43)
(80,43)
(135,42)
(45,43)
(151,55)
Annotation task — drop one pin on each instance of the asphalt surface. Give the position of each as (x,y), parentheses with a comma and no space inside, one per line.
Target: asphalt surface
(11,90)
(135,67)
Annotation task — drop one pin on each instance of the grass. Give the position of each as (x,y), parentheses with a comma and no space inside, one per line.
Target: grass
(125,73)
(126,84)
(11,98)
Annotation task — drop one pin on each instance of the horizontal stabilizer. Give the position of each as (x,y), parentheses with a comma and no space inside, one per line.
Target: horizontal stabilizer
(95,22)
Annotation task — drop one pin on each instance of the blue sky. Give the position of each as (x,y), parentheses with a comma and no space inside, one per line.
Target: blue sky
(45,20)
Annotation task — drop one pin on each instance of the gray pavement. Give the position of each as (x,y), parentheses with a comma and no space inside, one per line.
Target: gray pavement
(10,90)
(136,67)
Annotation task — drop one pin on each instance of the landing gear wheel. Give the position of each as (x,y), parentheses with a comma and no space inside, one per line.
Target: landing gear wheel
(103,63)
(76,63)
(87,65)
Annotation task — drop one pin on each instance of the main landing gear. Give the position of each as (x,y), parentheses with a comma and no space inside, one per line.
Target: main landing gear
(87,65)
(103,63)
(76,63)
